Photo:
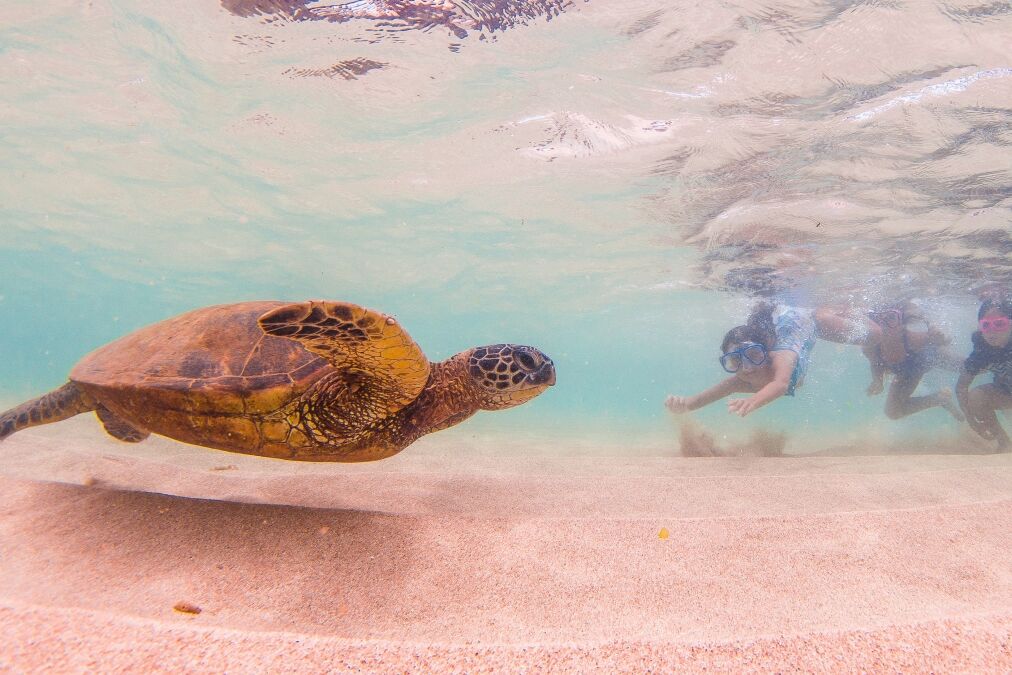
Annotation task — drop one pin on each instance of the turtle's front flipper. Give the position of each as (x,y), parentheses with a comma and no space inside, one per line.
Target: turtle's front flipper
(119,428)
(57,405)
(385,364)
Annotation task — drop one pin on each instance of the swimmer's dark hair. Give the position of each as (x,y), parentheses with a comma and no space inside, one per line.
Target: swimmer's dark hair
(759,327)
(1003,305)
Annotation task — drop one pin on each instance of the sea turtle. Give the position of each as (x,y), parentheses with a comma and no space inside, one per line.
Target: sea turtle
(314,381)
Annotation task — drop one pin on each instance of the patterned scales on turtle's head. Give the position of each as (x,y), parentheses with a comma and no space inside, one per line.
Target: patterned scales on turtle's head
(507,375)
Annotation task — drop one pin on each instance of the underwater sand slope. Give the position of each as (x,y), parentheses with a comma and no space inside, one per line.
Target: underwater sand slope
(509,561)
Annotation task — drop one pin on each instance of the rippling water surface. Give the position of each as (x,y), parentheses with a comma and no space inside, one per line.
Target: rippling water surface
(611,181)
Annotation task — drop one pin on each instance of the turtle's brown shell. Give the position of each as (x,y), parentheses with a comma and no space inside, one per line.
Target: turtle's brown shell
(214,362)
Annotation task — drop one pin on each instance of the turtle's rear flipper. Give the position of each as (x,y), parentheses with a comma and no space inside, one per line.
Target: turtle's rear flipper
(118,428)
(57,405)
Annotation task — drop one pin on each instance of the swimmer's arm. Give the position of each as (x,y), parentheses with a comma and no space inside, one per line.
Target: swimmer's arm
(963,388)
(878,369)
(963,395)
(730,385)
(972,366)
(784,361)
(874,356)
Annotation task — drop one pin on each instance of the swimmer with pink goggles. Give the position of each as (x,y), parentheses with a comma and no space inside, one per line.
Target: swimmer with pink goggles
(994,324)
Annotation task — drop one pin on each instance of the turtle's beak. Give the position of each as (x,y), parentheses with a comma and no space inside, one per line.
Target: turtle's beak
(544,375)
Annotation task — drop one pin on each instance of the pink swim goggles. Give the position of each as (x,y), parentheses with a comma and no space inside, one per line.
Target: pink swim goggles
(996,324)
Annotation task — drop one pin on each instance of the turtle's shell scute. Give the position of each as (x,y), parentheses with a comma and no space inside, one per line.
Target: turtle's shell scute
(212,360)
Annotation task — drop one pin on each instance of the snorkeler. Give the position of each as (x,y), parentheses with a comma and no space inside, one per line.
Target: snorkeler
(766,357)
(992,350)
(924,348)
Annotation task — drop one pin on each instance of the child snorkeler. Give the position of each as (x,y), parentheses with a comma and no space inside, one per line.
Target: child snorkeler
(924,348)
(992,350)
(766,357)
(896,339)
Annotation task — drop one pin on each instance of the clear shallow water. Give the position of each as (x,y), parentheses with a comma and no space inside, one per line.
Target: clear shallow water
(611,185)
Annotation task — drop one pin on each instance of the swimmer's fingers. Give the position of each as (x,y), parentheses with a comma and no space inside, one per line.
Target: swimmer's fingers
(676,404)
(741,406)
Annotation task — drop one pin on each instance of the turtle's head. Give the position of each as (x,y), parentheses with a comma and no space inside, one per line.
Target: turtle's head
(508,375)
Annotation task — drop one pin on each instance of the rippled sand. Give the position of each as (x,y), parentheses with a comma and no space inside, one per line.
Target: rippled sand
(461,554)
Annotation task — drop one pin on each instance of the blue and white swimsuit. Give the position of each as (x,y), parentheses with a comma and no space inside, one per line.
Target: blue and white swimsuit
(795,328)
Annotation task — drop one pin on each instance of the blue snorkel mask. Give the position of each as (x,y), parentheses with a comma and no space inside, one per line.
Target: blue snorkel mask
(752,352)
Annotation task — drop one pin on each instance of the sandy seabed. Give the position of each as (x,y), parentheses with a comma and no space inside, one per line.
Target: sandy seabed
(471,555)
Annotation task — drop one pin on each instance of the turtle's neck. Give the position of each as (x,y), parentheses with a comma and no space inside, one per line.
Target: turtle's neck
(447,399)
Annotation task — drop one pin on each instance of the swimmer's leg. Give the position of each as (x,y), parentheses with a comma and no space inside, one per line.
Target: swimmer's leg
(984,401)
(841,325)
(949,403)
(901,402)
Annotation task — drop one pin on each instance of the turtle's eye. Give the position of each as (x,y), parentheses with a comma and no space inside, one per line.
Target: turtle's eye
(526,361)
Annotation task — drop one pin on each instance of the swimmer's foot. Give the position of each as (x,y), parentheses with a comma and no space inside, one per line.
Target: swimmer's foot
(945,400)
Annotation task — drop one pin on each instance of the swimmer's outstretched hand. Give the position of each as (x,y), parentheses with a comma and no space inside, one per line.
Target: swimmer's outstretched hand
(677,404)
(742,406)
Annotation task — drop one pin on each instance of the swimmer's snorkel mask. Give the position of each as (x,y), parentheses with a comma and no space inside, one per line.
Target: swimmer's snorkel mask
(752,352)
(894,318)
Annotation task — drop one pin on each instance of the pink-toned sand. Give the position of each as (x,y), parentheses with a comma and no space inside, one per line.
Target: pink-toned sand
(465,555)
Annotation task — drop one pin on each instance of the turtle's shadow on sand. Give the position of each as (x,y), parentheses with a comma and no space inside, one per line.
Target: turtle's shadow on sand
(140,553)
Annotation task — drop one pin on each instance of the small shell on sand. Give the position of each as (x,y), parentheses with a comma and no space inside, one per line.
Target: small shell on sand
(186,608)
(663,534)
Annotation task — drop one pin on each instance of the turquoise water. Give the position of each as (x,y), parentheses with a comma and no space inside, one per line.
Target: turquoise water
(614,185)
